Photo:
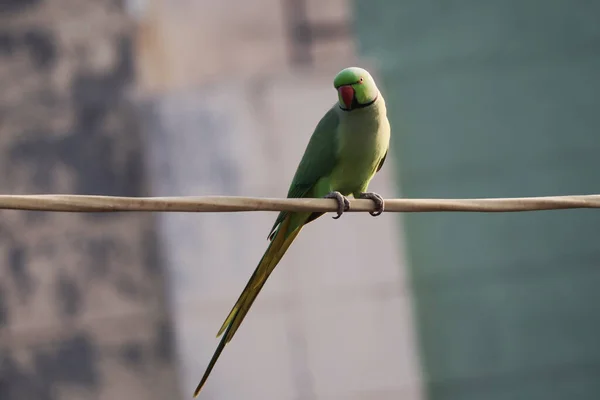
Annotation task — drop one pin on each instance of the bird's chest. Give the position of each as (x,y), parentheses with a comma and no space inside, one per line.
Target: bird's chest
(361,145)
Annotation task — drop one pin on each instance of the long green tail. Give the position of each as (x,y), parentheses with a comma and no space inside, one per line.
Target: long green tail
(281,241)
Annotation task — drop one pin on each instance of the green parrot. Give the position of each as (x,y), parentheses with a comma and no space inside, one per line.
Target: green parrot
(346,150)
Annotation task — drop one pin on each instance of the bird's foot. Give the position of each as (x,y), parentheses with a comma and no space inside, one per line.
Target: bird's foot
(377,199)
(343,202)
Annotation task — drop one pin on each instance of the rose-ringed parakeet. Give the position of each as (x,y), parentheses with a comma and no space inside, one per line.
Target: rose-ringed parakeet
(347,148)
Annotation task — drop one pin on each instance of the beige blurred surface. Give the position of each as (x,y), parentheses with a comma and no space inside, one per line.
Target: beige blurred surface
(334,321)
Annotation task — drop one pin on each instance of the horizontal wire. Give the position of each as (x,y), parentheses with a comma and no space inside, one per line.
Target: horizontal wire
(83,203)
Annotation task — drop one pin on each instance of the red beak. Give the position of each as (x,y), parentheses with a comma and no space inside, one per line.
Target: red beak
(347,94)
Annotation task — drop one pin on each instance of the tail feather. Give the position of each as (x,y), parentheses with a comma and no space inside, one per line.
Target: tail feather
(244,307)
(265,266)
(281,241)
(211,365)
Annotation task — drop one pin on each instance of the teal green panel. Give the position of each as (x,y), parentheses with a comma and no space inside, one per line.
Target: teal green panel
(497,99)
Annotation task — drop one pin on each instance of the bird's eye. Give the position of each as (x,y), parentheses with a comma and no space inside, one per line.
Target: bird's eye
(360,80)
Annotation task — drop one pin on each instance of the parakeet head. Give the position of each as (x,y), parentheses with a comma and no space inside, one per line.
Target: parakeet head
(356,88)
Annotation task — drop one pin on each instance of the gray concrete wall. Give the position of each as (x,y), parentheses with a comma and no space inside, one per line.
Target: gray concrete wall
(82,305)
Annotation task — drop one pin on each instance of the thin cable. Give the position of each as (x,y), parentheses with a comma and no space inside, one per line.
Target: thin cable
(81,203)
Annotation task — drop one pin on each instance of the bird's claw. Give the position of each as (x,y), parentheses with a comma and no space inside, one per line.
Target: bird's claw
(343,203)
(377,199)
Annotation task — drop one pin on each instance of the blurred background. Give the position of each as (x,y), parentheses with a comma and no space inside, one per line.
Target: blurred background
(195,97)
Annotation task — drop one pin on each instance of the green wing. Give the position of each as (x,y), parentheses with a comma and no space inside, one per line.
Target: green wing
(318,160)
